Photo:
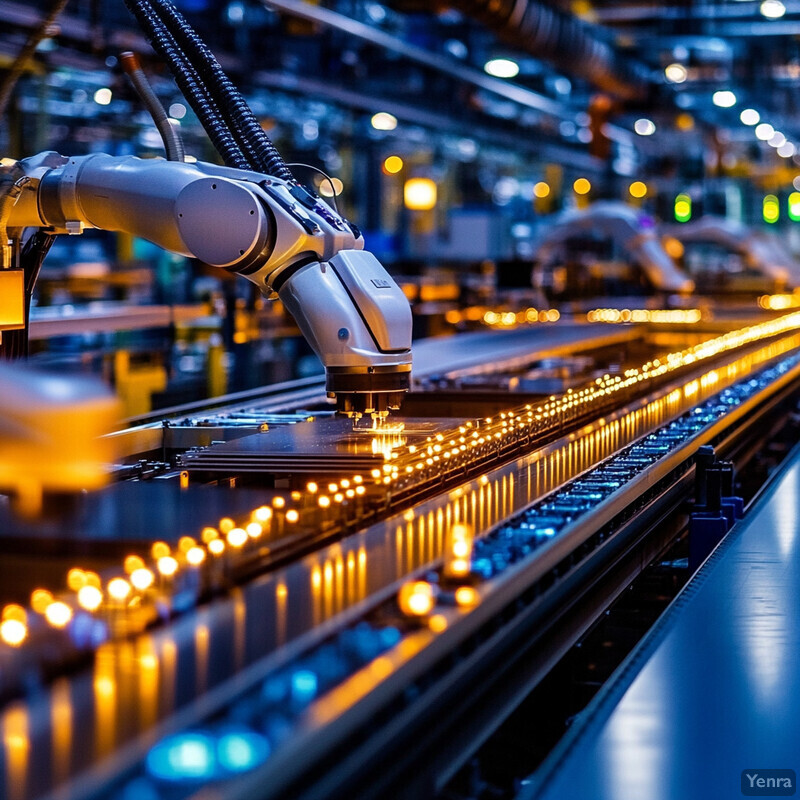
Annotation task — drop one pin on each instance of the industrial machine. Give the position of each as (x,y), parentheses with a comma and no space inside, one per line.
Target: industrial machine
(724,255)
(606,248)
(271,231)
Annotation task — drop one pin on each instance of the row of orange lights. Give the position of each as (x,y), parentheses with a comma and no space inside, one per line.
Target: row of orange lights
(401,462)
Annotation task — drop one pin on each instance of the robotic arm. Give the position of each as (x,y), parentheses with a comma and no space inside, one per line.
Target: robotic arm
(271,231)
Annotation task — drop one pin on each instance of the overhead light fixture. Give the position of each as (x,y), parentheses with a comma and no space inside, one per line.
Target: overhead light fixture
(776,140)
(764,131)
(541,190)
(392,165)
(502,68)
(676,73)
(638,189)
(724,98)
(419,194)
(383,121)
(103,96)
(773,9)
(582,186)
(750,116)
(644,127)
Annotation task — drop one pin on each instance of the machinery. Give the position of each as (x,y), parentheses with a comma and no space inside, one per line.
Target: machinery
(604,241)
(271,231)
(726,254)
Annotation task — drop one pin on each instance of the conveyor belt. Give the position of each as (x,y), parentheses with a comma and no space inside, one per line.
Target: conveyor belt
(713,690)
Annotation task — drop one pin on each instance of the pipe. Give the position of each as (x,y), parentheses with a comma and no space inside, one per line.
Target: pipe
(173,144)
(566,42)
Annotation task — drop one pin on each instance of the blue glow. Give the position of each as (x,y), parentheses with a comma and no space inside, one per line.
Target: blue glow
(242,751)
(304,685)
(184,757)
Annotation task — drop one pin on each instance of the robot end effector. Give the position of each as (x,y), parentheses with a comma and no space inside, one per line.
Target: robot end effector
(271,231)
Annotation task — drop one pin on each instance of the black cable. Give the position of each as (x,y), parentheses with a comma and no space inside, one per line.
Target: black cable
(189,83)
(243,123)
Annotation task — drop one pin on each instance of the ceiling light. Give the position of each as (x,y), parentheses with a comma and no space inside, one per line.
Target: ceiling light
(773,9)
(764,131)
(750,116)
(102,96)
(676,73)
(644,127)
(382,121)
(787,150)
(777,139)
(724,98)
(502,68)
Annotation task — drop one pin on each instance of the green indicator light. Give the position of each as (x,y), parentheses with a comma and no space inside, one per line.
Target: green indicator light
(683,208)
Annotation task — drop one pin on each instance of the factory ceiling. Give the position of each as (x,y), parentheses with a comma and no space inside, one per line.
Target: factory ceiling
(589,83)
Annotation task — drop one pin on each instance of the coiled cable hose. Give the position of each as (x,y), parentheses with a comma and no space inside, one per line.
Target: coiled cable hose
(190,84)
(247,130)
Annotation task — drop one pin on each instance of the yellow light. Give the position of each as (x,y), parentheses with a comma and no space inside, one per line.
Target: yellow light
(466,596)
(419,194)
(357,479)
(331,188)
(278,502)
(195,556)
(226,524)
(263,514)
(118,589)
(416,599)
(58,614)
(186,543)
(338,497)
(237,537)
(582,186)
(75,579)
(312,487)
(254,530)
(383,121)
(90,598)
(541,190)
(167,566)
(142,578)
(684,122)
(360,490)
(209,534)
(216,547)
(13,632)
(292,515)
(392,165)
(638,189)
(14,611)
(40,600)
(323,501)
(132,563)
(673,246)
(159,550)
(333,487)
(438,623)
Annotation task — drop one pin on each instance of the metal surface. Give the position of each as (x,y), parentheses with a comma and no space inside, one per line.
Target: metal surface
(714,688)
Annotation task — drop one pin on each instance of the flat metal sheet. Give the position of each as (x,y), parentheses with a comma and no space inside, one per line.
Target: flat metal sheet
(322,446)
(714,691)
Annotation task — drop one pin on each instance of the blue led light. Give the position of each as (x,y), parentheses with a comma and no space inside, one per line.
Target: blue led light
(242,750)
(184,757)
(304,686)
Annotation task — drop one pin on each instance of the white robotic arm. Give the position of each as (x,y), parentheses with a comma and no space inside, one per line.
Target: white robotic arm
(271,231)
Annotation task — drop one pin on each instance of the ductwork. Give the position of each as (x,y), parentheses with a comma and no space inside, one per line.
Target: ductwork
(568,43)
